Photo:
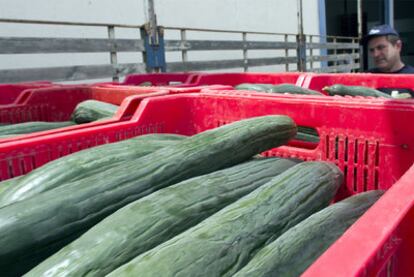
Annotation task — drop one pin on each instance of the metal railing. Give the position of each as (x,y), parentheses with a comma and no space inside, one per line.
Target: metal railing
(323,54)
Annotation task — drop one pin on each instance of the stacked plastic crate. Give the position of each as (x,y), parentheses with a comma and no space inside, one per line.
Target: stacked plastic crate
(368,139)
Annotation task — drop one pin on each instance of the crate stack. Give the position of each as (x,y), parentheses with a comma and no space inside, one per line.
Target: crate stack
(369,139)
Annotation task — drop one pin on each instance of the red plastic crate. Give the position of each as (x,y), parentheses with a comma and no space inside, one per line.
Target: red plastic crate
(9,92)
(55,105)
(368,139)
(377,81)
(380,243)
(161,79)
(171,89)
(234,79)
(177,80)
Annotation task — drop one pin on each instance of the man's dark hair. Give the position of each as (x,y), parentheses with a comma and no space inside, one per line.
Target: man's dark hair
(393,39)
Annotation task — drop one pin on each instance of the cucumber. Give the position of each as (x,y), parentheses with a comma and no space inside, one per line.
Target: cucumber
(223,243)
(6,184)
(403,95)
(307,137)
(82,164)
(31,127)
(93,110)
(280,88)
(294,251)
(293,89)
(255,87)
(151,220)
(55,215)
(343,90)
(307,134)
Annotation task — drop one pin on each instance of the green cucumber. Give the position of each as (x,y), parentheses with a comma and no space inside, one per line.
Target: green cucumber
(151,220)
(293,89)
(31,127)
(300,246)
(93,110)
(280,88)
(53,216)
(343,90)
(403,95)
(223,243)
(307,137)
(6,184)
(255,87)
(82,164)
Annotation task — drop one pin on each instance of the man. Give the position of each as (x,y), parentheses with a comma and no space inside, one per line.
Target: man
(384,46)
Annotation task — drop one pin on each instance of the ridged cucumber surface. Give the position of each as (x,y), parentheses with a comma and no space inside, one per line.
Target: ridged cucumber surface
(223,243)
(31,127)
(55,215)
(255,87)
(293,89)
(151,220)
(84,163)
(343,90)
(300,246)
(279,88)
(93,110)
(6,184)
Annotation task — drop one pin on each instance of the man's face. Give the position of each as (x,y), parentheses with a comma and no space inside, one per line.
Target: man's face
(384,54)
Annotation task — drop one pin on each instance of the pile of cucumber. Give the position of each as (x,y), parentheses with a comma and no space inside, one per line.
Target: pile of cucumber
(170,205)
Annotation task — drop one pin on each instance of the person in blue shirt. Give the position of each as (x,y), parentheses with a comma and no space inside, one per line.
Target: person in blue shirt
(384,46)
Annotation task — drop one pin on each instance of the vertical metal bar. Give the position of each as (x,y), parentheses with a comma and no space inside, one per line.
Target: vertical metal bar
(311,52)
(359,3)
(300,17)
(152,23)
(301,49)
(286,54)
(245,58)
(144,37)
(353,53)
(360,34)
(389,12)
(184,55)
(301,52)
(113,55)
(335,52)
(322,30)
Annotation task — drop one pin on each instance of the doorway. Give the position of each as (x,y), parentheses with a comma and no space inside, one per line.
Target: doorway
(342,20)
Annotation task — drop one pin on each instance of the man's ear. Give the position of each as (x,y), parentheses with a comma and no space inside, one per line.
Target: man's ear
(398,44)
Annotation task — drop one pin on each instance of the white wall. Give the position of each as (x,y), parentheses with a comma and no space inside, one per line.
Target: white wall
(244,15)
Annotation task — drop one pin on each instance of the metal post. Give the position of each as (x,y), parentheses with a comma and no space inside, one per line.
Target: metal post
(360,35)
(245,60)
(311,52)
(353,55)
(152,22)
(359,3)
(335,53)
(301,49)
(389,12)
(113,56)
(322,30)
(286,54)
(154,56)
(183,40)
(300,17)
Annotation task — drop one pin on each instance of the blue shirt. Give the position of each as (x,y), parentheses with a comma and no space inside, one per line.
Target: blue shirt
(406,69)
